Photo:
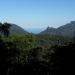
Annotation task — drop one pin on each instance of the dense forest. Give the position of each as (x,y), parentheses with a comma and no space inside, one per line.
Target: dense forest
(32,54)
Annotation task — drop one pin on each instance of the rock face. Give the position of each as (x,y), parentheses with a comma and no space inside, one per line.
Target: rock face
(65,30)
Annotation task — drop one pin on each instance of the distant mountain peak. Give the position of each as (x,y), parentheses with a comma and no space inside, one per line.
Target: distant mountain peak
(48,28)
(72,22)
(65,30)
(17,29)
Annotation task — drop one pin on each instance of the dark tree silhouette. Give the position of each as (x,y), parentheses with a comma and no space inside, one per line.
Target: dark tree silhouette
(4,28)
(64,60)
(0,29)
(8,57)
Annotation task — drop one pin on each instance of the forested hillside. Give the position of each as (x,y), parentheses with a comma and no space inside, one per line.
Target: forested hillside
(30,54)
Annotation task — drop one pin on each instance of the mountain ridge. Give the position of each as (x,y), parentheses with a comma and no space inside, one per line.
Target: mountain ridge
(65,30)
(17,29)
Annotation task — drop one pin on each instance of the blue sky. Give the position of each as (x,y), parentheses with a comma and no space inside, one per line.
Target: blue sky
(36,15)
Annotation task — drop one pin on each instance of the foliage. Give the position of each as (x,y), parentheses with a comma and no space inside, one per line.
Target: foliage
(30,54)
(4,28)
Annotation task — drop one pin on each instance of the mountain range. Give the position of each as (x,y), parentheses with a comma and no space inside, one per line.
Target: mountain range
(64,30)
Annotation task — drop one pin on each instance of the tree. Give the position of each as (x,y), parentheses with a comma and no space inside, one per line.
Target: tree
(0,28)
(63,60)
(4,29)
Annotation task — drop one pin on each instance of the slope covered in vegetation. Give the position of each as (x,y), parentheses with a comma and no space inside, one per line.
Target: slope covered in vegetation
(30,54)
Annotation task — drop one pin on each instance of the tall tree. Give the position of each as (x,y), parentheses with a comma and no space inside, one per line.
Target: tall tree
(4,28)
(0,28)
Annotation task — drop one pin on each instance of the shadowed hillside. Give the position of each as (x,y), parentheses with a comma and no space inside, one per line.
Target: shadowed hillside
(17,29)
(65,30)
(30,54)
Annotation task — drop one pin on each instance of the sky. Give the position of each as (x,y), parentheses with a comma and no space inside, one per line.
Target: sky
(37,15)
